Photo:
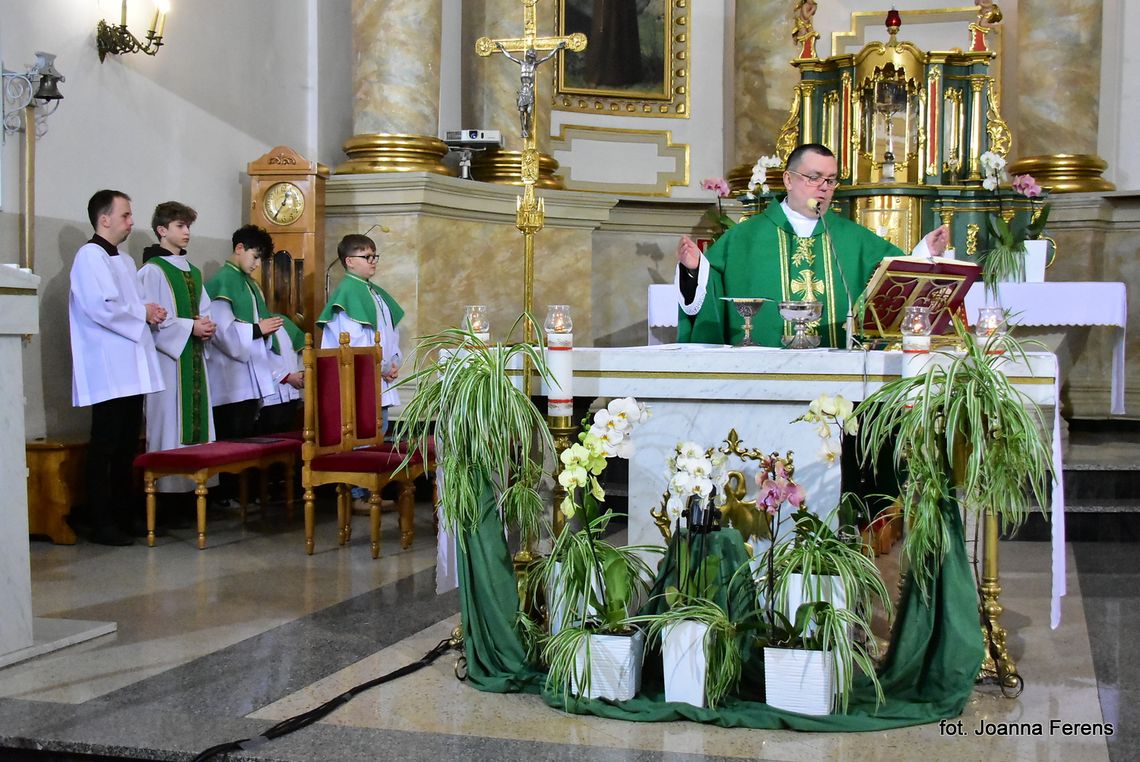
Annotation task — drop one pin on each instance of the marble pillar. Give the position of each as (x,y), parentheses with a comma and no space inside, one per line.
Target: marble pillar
(764,80)
(395,105)
(396,72)
(1058,102)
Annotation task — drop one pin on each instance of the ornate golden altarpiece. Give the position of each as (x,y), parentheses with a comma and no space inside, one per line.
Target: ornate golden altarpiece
(908,128)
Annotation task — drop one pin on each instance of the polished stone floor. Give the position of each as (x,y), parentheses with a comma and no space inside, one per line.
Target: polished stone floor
(219,644)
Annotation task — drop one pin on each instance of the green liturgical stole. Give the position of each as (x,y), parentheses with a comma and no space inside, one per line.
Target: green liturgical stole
(193,402)
(237,288)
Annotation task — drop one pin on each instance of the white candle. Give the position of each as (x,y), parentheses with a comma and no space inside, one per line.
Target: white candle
(560,361)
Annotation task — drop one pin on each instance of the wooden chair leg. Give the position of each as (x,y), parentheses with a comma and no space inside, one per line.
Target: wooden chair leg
(201,491)
(343,514)
(310,519)
(151,498)
(243,494)
(406,502)
(374,517)
(290,475)
(264,491)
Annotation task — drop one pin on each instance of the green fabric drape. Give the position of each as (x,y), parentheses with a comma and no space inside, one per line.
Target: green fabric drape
(936,647)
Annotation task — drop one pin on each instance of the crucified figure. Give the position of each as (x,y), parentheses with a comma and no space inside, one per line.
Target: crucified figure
(527,64)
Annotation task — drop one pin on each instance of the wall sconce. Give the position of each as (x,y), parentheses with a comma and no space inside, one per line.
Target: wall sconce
(116,38)
(29,99)
(36,90)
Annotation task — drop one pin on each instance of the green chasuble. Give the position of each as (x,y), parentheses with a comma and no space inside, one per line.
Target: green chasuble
(193,402)
(243,293)
(763,257)
(354,297)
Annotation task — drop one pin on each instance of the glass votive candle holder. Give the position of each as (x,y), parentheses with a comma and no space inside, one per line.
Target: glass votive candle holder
(475,320)
(991,323)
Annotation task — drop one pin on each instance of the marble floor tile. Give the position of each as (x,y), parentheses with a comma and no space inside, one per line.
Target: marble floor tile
(220,644)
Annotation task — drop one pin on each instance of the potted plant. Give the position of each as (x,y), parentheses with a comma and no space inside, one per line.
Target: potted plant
(490,435)
(592,649)
(1010,232)
(960,428)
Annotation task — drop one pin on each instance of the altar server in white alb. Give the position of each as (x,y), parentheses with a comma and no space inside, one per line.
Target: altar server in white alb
(180,415)
(114,362)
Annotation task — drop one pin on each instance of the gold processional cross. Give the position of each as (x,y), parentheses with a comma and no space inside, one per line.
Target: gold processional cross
(529,217)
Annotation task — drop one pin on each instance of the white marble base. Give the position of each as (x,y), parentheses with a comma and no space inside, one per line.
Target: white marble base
(50,635)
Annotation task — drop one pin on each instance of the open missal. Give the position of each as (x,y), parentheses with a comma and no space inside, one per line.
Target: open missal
(899,282)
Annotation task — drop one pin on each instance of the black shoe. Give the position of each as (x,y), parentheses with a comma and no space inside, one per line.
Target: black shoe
(111,535)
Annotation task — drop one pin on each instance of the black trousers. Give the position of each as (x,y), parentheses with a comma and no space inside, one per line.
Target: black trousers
(236,420)
(115,428)
(279,418)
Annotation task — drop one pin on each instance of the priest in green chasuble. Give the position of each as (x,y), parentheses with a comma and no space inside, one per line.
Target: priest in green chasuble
(785,254)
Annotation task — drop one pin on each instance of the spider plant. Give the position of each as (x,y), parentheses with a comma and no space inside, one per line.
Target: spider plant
(959,425)
(722,648)
(594,584)
(815,551)
(488,429)
(819,626)
(1006,259)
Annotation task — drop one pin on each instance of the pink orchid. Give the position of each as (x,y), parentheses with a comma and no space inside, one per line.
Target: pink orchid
(796,495)
(773,493)
(718,184)
(1026,186)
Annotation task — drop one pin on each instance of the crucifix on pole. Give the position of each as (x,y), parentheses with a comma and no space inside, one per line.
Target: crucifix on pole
(529,217)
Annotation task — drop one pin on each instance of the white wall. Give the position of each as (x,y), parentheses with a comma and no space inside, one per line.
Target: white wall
(233,80)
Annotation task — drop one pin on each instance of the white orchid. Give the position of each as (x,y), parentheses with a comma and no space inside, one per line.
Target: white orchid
(674,506)
(624,412)
(690,450)
(829,452)
(760,173)
(993,165)
(826,411)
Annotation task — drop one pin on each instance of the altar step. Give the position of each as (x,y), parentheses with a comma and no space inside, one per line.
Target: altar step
(1102,484)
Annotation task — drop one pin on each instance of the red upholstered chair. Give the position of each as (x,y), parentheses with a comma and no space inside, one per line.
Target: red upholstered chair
(344,438)
(201,462)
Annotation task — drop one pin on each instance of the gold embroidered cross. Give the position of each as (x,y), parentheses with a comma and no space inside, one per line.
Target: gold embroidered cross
(806,284)
(804,253)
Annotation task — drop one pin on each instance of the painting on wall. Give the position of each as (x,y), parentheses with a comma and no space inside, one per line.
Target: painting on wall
(635,61)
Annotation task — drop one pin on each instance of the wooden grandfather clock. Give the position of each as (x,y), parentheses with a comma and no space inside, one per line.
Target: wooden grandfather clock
(287,198)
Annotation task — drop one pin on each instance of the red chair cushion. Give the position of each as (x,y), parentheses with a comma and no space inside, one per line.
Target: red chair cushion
(215,453)
(402,449)
(364,460)
(364,376)
(329,418)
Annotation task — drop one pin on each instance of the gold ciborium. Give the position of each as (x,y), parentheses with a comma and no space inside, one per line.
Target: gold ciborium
(746,307)
(800,314)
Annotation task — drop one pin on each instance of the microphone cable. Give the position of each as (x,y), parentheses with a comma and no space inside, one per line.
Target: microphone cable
(305,719)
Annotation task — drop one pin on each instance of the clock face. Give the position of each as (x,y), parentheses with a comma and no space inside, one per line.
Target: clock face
(284,203)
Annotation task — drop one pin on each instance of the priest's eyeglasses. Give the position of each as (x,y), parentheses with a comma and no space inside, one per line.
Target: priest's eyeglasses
(816,181)
(369,258)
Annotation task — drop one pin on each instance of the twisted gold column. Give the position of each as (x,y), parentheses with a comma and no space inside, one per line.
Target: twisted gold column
(997,665)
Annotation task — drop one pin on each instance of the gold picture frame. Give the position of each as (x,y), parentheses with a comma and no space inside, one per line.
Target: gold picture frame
(606,78)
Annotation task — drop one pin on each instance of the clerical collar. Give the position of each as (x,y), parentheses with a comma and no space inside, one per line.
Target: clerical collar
(802,224)
(106,245)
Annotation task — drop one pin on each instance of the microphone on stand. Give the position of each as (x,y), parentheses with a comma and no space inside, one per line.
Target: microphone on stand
(849,326)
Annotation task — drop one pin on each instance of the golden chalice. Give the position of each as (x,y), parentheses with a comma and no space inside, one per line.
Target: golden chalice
(746,307)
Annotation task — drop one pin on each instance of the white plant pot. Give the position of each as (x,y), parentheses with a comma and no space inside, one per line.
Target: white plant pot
(683,661)
(1036,254)
(799,681)
(614,666)
(814,589)
(559,607)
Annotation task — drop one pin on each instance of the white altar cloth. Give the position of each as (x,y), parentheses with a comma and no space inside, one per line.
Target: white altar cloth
(699,392)
(1060,304)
